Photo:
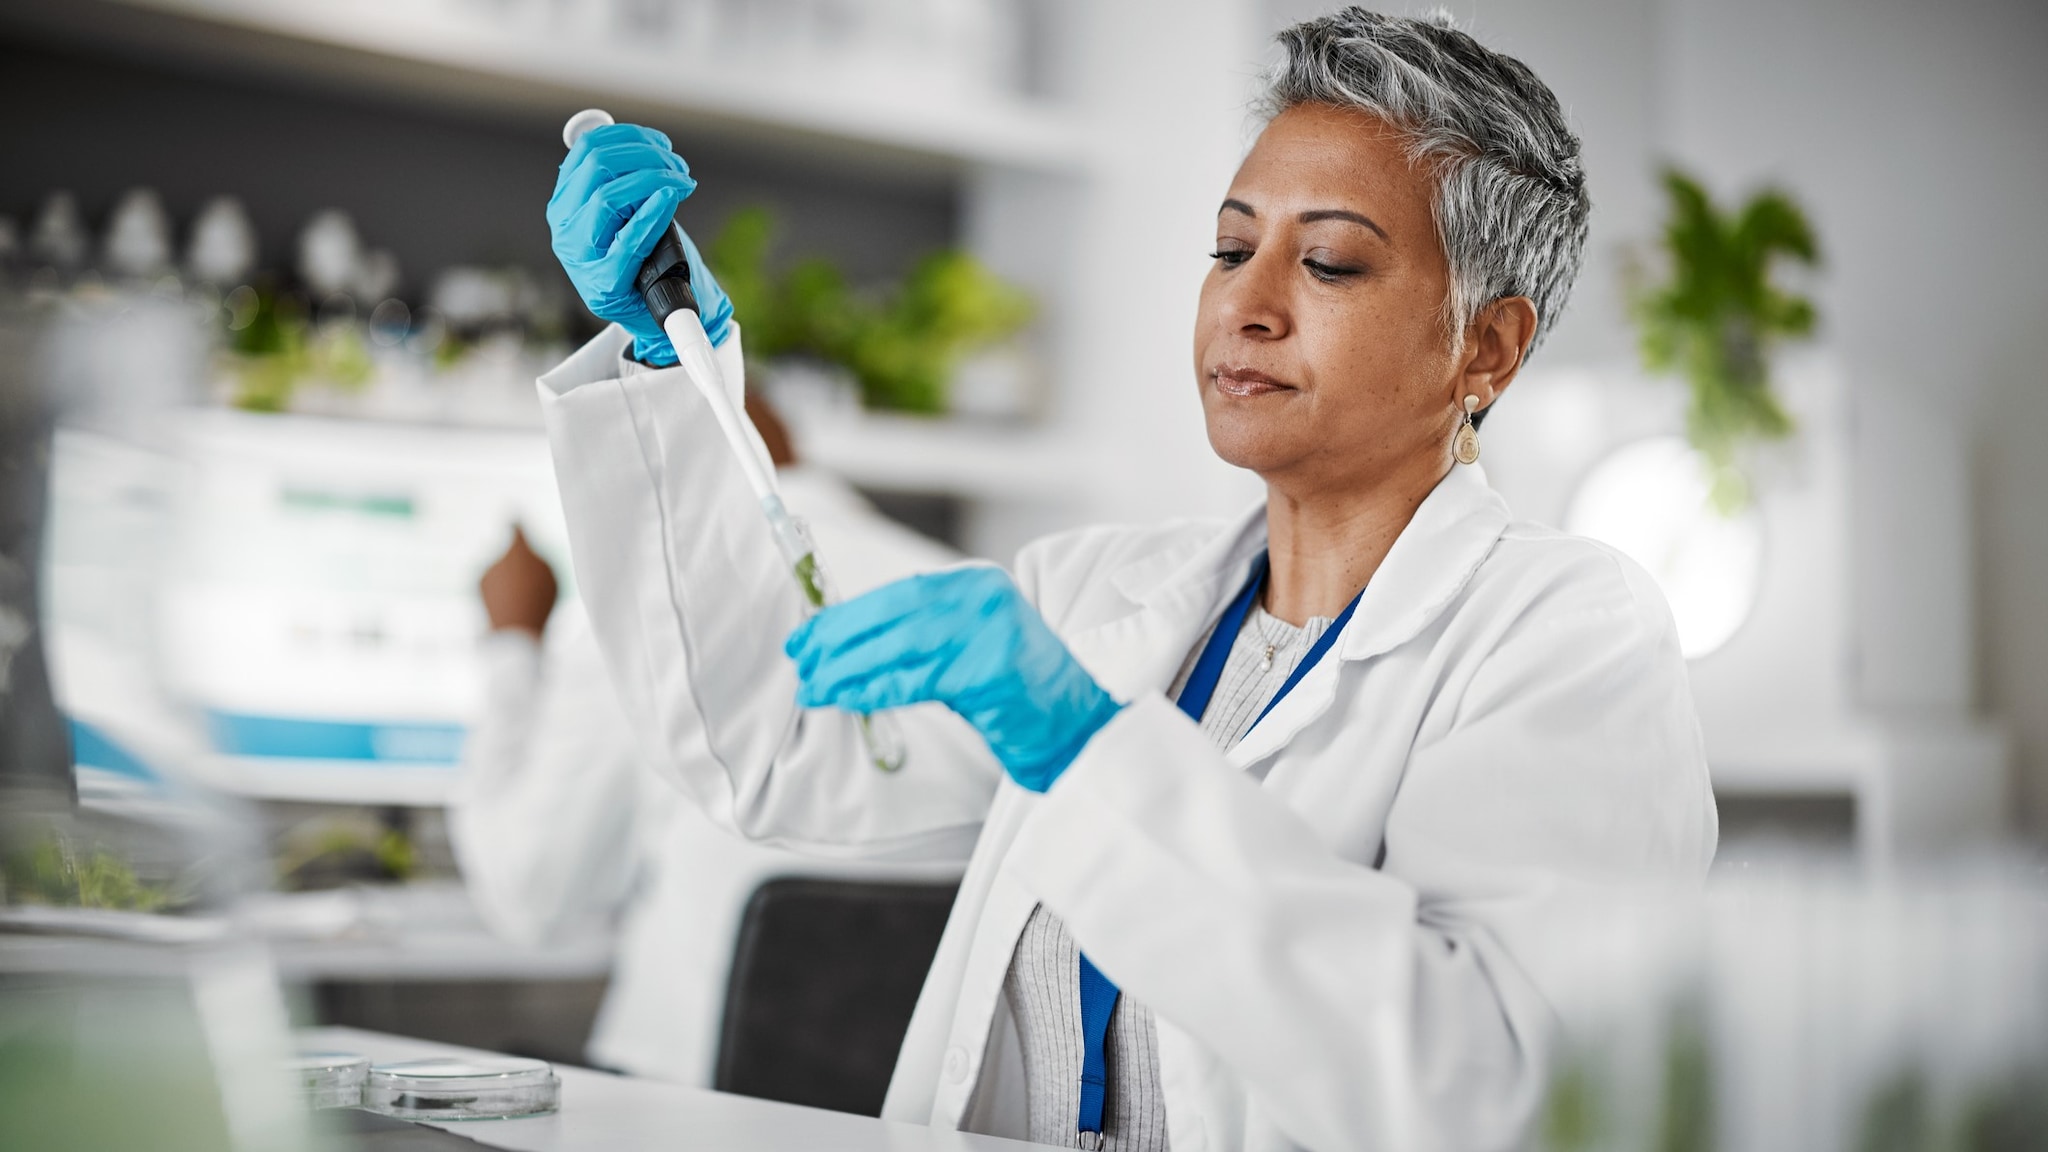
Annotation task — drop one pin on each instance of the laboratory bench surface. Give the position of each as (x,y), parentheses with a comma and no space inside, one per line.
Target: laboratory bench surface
(601,1111)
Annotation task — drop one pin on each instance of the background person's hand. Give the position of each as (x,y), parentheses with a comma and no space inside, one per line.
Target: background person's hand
(616,192)
(519,589)
(968,639)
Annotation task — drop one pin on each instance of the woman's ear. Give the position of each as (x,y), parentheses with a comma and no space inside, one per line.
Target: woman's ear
(1495,343)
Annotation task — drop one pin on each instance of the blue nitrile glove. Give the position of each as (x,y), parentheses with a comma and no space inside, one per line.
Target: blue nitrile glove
(968,639)
(617,190)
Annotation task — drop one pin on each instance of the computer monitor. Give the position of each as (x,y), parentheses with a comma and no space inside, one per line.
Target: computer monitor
(316,613)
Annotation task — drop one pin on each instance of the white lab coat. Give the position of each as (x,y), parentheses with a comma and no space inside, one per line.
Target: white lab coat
(1328,921)
(559,827)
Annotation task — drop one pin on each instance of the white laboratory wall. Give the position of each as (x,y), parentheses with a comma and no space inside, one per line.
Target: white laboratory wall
(1114,244)
(2012,551)
(1593,54)
(1115,247)
(1897,125)
(1161,89)
(1913,133)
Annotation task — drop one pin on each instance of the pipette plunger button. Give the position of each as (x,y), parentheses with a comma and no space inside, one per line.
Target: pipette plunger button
(583,122)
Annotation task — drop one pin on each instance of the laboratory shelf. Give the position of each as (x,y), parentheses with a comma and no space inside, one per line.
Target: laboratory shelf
(952,457)
(532,57)
(1919,787)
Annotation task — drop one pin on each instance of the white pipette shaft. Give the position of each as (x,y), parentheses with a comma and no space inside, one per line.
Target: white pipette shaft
(694,353)
(886,749)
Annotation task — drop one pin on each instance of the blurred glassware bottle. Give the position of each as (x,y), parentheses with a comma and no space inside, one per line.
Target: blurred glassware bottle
(377,276)
(473,298)
(138,240)
(222,250)
(330,253)
(59,240)
(10,249)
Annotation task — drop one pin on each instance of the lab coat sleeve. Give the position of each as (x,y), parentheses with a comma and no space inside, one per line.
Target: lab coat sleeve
(542,818)
(691,603)
(1385,1008)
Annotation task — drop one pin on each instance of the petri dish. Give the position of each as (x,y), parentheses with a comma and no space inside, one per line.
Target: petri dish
(461,1088)
(329,1079)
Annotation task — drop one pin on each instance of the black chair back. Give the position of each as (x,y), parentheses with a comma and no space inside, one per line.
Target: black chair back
(825,974)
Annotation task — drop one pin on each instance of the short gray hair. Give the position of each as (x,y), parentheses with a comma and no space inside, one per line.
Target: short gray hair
(1511,204)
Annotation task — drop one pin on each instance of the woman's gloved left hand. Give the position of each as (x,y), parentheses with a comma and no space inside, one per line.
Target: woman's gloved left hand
(968,639)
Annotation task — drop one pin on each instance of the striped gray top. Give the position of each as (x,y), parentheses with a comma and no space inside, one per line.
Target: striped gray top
(1044,984)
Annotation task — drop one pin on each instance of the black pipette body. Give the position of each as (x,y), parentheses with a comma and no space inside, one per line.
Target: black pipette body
(664,279)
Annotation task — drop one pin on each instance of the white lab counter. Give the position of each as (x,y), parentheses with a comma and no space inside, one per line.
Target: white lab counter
(605,1113)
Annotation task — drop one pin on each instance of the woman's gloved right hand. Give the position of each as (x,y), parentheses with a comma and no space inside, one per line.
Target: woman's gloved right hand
(616,192)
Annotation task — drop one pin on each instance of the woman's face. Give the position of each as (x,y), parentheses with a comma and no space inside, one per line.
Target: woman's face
(1320,347)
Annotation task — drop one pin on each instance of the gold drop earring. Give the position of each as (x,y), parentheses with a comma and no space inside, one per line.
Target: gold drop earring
(1466,446)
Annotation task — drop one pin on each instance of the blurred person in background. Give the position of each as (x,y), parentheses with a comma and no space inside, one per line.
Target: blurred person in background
(559,827)
(1307,784)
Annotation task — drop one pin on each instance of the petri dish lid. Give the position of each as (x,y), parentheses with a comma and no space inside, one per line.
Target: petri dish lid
(329,1079)
(462,1088)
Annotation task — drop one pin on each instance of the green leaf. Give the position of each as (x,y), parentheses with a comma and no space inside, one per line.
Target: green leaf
(2008,1116)
(1573,1114)
(807,577)
(738,257)
(1898,1116)
(57,872)
(1716,315)
(1772,224)
(901,342)
(1686,1115)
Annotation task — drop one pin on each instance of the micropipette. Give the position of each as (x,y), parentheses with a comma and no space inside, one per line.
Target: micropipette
(664,283)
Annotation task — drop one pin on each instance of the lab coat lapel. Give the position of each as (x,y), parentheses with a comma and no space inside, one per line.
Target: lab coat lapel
(1429,564)
(1178,593)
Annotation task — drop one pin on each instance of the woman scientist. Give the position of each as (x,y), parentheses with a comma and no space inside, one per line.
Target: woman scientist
(1277,806)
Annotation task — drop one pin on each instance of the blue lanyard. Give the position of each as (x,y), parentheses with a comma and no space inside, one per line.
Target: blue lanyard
(1098,995)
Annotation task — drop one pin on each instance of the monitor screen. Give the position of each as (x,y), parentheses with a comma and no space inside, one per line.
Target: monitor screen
(315,609)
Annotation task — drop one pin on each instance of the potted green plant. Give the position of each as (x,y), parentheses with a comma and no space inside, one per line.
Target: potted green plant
(1715,314)
(901,342)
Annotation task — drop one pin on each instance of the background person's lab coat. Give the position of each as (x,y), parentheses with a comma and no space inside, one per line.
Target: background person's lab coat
(1335,923)
(559,826)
